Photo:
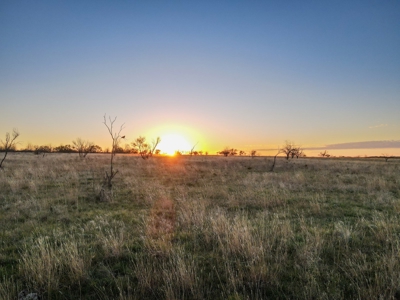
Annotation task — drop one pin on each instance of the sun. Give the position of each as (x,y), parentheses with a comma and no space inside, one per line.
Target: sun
(170,143)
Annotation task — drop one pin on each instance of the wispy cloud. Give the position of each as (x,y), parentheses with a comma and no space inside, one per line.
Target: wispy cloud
(360,145)
(378,126)
(351,145)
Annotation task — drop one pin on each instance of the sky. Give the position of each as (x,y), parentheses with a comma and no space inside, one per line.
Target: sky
(238,74)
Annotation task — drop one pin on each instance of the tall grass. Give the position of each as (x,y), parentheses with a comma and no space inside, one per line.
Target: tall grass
(200,228)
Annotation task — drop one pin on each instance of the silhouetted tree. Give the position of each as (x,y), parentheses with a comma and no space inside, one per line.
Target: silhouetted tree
(43,150)
(82,147)
(291,150)
(97,149)
(192,152)
(119,149)
(143,148)
(324,154)
(9,144)
(297,152)
(64,149)
(28,148)
(228,152)
(127,148)
(225,152)
(386,156)
(253,153)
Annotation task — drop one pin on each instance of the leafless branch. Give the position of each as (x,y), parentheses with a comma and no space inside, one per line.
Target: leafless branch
(116,137)
(273,164)
(9,143)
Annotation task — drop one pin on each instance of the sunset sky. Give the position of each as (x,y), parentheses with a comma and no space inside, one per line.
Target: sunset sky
(242,74)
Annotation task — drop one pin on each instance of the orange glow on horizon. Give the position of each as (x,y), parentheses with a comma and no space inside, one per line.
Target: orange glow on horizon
(170,143)
(177,137)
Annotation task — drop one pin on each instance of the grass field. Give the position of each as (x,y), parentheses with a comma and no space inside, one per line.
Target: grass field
(200,228)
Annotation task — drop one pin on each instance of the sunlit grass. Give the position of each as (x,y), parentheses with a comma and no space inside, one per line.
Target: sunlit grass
(200,228)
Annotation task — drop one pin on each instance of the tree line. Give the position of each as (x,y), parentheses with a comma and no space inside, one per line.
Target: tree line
(290,150)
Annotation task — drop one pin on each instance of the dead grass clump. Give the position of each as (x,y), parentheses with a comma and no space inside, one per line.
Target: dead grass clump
(309,251)
(234,235)
(384,284)
(343,232)
(173,276)
(191,213)
(47,263)
(161,220)
(110,234)
(180,277)
(376,183)
(9,288)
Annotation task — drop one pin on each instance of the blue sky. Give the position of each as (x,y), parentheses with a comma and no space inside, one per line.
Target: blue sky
(243,74)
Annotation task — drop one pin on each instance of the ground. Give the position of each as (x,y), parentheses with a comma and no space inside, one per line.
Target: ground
(199,228)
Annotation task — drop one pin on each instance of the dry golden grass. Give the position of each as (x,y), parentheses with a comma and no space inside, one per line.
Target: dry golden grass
(200,228)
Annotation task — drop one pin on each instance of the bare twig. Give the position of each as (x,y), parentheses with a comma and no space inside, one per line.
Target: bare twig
(273,164)
(116,137)
(192,150)
(9,143)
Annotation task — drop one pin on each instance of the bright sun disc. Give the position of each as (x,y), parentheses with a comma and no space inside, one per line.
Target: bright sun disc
(170,143)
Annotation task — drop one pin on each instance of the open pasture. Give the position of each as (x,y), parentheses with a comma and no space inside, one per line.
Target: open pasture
(200,228)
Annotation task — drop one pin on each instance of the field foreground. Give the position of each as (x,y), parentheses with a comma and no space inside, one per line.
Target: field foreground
(199,228)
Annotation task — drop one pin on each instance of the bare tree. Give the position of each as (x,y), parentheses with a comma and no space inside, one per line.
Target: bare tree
(140,146)
(9,144)
(228,152)
(192,152)
(64,149)
(29,148)
(287,149)
(43,150)
(253,153)
(127,148)
(273,164)
(83,147)
(96,149)
(386,156)
(143,148)
(115,137)
(291,150)
(225,152)
(297,152)
(324,154)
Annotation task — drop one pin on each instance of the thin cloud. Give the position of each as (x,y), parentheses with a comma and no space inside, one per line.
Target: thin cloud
(378,126)
(359,145)
(351,145)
